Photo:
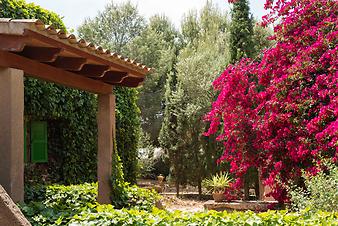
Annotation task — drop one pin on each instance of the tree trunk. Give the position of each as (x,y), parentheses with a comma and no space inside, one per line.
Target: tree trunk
(177,184)
(199,188)
(246,188)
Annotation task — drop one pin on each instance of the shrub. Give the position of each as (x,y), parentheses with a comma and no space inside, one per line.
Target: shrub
(320,193)
(57,203)
(140,198)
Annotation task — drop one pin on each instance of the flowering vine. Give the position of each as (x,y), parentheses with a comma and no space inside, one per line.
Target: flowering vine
(279,114)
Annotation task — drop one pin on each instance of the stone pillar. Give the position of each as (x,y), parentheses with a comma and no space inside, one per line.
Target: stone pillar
(12,132)
(106,133)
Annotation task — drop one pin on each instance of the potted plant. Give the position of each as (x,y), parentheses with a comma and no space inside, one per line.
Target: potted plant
(217,185)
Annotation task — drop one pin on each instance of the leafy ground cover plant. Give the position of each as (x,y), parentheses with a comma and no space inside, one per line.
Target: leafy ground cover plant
(107,216)
(76,205)
(57,204)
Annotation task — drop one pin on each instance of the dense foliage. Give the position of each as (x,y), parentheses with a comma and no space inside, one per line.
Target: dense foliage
(108,216)
(118,25)
(320,191)
(191,155)
(118,193)
(58,204)
(280,114)
(127,130)
(71,115)
(156,47)
(75,205)
(114,28)
(19,9)
(204,53)
(241,42)
(241,31)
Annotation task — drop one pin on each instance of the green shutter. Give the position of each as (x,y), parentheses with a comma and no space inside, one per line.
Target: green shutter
(39,151)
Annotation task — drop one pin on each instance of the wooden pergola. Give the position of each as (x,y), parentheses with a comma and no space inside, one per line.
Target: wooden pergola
(31,48)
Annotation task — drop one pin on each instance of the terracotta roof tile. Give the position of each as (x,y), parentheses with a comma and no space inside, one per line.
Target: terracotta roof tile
(49,30)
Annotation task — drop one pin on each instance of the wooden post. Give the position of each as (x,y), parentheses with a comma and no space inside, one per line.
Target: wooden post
(106,133)
(12,132)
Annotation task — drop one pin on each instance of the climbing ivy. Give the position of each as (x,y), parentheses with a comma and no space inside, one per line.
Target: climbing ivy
(127,130)
(71,115)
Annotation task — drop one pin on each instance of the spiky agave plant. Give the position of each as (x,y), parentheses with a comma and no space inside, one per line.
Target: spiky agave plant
(217,183)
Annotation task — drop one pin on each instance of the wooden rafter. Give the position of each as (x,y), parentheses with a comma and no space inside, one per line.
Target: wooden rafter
(52,74)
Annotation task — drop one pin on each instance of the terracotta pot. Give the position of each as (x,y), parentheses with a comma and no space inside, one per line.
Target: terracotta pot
(218,197)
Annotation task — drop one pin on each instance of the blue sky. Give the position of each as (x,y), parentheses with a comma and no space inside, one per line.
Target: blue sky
(75,11)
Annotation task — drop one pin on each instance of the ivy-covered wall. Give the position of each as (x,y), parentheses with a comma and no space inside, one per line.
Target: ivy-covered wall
(71,115)
(72,136)
(128,126)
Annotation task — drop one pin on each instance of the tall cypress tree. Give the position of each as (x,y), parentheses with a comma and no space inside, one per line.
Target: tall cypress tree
(168,133)
(241,31)
(242,45)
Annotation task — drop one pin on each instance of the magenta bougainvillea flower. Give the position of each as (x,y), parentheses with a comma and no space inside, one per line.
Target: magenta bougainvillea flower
(280,114)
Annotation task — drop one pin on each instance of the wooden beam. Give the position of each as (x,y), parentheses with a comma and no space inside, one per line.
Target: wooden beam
(46,72)
(131,82)
(113,77)
(93,70)
(13,43)
(69,63)
(41,54)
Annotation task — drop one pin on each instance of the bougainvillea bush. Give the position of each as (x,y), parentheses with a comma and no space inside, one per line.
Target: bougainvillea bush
(279,113)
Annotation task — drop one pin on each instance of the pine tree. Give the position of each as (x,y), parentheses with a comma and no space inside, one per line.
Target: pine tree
(241,31)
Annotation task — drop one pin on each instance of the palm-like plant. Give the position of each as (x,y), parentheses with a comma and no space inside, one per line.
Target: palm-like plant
(217,183)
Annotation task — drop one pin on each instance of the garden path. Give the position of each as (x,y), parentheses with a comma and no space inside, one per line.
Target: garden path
(172,203)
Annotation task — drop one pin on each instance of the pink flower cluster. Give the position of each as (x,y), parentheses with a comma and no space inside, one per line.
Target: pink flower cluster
(281,114)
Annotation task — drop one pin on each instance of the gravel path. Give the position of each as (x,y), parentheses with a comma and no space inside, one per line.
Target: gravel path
(172,203)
